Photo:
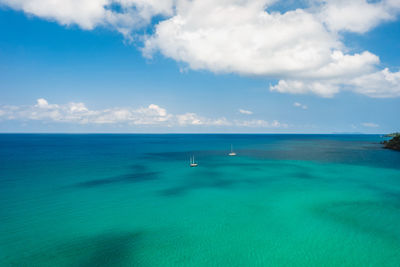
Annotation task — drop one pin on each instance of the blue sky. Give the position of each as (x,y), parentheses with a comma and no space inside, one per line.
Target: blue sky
(70,75)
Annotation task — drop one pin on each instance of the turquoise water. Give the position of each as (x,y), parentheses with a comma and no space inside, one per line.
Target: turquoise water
(132,200)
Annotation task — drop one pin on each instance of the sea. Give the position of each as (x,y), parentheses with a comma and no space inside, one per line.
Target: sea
(133,200)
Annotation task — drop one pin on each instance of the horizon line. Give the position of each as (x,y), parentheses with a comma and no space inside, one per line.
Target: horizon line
(182,133)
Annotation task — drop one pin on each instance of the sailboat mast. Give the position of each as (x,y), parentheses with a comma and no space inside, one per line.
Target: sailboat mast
(232,153)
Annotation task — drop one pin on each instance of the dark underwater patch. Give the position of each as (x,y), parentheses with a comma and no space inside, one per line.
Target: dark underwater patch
(199,181)
(113,250)
(304,175)
(108,249)
(364,216)
(183,155)
(387,193)
(138,174)
(120,179)
(208,179)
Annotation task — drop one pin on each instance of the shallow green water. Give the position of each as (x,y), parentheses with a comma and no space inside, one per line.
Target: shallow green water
(133,201)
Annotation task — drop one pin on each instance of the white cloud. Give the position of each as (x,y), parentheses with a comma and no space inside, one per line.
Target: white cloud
(79,113)
(42,103)
(239,36)
(357,15)
(302,48)
(261,123)
(246,112)
(324,89)
(194,119)
(144,116)
(379,84)
(122,15)
(87,14)
(299,105)
(77,107)
(370,124)
(190,119)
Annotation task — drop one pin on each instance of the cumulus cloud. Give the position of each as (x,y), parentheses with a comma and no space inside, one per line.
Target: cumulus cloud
(357,15)
(152,115)
(378,84)
(122,15)
(194,119)
(239,36)
(190,118)
(246,112)
(261,123)
(299,105)
(370,124)
(302,48)
(322,88)
(79,113)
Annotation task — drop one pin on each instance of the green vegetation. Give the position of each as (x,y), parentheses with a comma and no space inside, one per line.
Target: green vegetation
(393,143)
(392,135)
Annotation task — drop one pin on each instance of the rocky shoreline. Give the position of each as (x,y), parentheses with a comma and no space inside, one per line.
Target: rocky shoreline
(393,143)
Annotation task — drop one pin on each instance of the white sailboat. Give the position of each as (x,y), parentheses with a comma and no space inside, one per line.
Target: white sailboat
(232,153)
(192,162)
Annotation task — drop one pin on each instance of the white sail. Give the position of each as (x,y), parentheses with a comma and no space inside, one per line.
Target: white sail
(192,162)
(232,153)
